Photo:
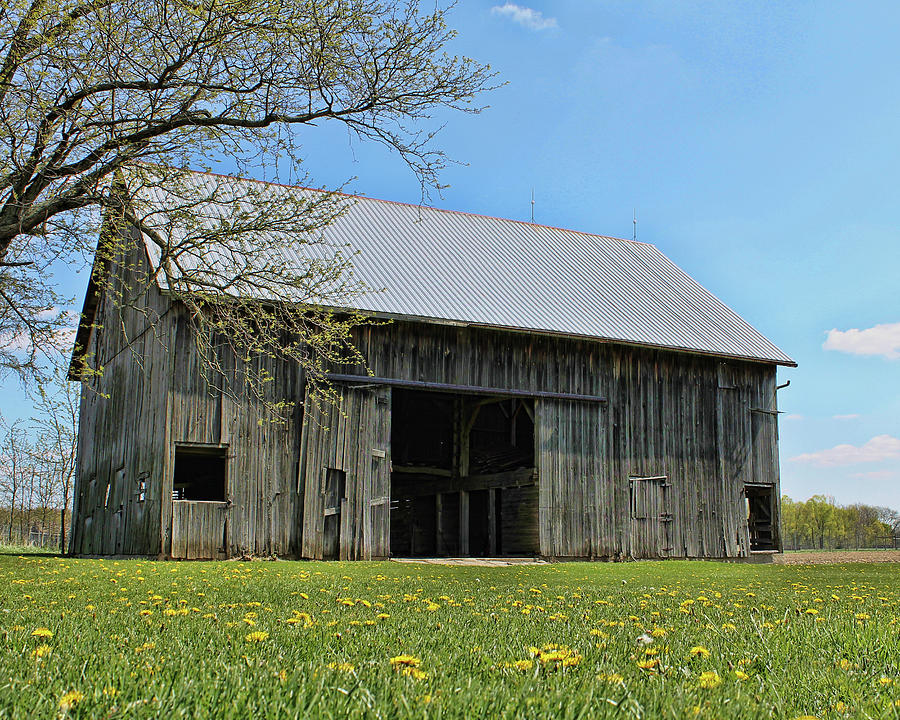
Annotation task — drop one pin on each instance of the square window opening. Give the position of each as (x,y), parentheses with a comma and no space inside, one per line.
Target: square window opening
(200,473)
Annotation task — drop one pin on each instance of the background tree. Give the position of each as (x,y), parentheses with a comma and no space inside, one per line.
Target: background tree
(55,425)
(15,469)
(818,513)
(88,88)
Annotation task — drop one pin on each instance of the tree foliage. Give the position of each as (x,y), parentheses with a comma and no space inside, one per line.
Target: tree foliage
(820,523)
(92,88)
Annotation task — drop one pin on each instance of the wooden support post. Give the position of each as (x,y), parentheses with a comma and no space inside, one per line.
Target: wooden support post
(492,521)
(439,546)
(463,522)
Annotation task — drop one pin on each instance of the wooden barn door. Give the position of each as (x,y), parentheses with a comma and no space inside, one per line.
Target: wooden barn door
(651,520)
(346,477)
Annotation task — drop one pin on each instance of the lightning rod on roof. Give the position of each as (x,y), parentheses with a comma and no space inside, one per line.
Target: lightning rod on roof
(634,223)
(532,205)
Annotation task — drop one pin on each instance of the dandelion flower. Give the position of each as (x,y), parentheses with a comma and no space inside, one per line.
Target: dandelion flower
(741,675)
(699,651)
(41,651)
(256,636)
(70,699)
(42,632)
(342,666)
(405,661)
(414,673)
(710,679)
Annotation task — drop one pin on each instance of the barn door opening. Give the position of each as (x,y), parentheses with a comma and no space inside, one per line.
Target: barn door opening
(761,517)
(463,480)
(345,475)
(199,502)
(651,520)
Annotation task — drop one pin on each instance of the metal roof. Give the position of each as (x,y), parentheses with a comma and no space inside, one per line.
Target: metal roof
(447,266)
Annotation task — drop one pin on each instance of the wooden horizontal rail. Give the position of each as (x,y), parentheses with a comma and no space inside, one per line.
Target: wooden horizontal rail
(464,389)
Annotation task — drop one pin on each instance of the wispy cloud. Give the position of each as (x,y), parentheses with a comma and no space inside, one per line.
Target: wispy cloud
(878,449)
(876,475)
(849,416)
(793,416)
(878,340)
(524,16)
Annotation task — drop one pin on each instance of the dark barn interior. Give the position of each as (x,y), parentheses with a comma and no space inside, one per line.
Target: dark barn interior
(199,473)
(463,479)
(760,517)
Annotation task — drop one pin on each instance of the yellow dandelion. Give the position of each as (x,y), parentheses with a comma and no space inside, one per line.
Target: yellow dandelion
(41,651)
(709,680)
(405,661)
(885,681)
(862,616)
(70,699)
(342,666)
(741,675)
(414,673)
(42,632)
(523,665)
(256,636)
(648,664)
(699,651)
(611,677)
(145,613)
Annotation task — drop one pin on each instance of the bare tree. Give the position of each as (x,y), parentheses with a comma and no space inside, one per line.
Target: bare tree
(88,88)
(14,471)
(56,425)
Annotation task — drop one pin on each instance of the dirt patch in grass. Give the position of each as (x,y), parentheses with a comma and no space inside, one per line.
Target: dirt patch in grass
(831,557)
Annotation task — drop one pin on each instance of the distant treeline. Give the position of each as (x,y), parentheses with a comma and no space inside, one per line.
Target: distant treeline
(821,523)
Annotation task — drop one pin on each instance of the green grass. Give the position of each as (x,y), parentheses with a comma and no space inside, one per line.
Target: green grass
(149,639)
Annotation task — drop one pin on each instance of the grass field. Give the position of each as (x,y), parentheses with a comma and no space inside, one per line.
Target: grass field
(105,638)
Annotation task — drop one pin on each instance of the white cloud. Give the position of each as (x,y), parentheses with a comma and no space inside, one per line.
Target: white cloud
(532,19)
(876,475)
(878,449)
(849,416)
(879,340)
(793,416)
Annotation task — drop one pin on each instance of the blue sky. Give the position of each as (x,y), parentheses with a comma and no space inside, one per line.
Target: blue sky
(759,145)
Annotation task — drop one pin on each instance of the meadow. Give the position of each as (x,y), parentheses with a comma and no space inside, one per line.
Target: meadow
(144,639)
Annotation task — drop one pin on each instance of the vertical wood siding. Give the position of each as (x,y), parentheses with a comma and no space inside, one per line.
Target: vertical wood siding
(706,425)
(352,437)
(121,434)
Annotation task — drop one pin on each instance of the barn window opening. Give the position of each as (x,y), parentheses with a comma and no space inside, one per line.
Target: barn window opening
(200,473)
(760,517)
(463,480)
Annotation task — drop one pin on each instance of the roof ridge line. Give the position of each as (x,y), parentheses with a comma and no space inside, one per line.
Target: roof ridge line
(406,204)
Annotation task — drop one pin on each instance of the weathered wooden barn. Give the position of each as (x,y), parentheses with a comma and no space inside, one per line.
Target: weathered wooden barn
(539,392)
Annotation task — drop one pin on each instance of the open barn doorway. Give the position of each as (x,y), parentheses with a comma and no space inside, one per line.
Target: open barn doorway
(761,503)
(463,479)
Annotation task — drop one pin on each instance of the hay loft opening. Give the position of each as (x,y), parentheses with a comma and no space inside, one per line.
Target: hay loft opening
(200,473)
(463,478)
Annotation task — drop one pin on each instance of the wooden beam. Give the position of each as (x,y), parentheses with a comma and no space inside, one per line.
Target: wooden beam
(463,389)
(522,477)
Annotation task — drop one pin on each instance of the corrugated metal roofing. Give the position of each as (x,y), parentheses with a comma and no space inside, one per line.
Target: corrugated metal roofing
(455,267)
